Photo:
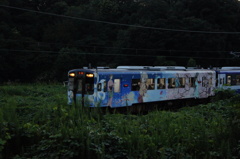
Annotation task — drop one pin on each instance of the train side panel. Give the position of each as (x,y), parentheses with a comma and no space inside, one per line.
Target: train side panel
(126,89)
(179,85)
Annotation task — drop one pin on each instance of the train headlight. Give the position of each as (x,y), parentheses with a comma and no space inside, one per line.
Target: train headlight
(90,75)
(72,74)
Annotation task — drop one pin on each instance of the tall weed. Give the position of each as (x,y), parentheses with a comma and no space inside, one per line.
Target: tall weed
(44,126)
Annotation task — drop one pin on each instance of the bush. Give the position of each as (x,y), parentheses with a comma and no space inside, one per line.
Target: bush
(41,125)
(222,94)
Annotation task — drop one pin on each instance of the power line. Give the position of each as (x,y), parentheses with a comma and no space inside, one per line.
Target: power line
(120,24)
(120,48)
(109,54)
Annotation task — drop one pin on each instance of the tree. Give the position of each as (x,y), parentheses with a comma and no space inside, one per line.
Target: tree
(162,61)
(191,63)
(68,58)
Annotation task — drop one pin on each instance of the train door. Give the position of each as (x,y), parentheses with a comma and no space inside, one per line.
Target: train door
(101,93)
(221,80)
(88,90)
(79,94)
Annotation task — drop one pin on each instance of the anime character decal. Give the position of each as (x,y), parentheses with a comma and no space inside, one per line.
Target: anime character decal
(143,86)
(110,86)
(196,89)
(150,88)
(70,97)
(207,85)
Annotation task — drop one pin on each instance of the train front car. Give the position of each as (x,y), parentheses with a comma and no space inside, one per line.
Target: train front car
(135,85)
(80,86)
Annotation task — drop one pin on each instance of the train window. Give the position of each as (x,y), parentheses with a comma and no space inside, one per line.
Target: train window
(117,85)
(229,78)
(210,81)
(182,82)
(171,83)
(204,81)
(135,85)
(161,83)
(233,80)
(192,82)
(99,86)
(177,83)
(89,85)
(151,84)
(237,79)
(89,88)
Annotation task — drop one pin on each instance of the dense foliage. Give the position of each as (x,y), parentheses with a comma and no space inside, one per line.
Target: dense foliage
(35,122)
(43,39)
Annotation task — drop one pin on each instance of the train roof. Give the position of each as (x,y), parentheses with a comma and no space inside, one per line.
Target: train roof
(228,69)
(136,69)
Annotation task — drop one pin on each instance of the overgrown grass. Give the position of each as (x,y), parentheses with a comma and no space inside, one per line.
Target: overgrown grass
(36,122)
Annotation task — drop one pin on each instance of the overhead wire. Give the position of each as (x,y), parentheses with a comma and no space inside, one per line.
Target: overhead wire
(109,54)
(128,25)
(120,24)
(118,48)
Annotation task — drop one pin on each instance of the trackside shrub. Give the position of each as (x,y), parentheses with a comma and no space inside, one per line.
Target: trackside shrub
(38,123)
(221,94)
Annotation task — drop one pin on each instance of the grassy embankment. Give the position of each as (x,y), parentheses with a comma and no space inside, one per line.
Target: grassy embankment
(36,122)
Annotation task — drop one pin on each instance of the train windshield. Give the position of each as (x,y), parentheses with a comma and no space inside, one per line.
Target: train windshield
(89,85)
(81,82)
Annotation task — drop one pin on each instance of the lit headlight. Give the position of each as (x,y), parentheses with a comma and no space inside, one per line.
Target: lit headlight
(72,74)
(90,75)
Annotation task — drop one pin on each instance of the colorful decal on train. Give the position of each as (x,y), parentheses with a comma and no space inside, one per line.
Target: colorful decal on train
(150,88)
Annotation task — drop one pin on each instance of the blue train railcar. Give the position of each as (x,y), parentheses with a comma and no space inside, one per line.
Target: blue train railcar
(129,85)
(229,78)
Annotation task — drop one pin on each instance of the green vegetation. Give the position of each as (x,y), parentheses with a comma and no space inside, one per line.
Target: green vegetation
(36,122)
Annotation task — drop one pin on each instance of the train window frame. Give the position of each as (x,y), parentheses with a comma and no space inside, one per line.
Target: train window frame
(229,80)
(135,84)
(210,81)
(237,79)
(204,81)
(161,83)
(89,85)
(182,82)
(151,83)
(171,83)
(192,81)
(102,86)
(117,85)
(99,87)
(233,79)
